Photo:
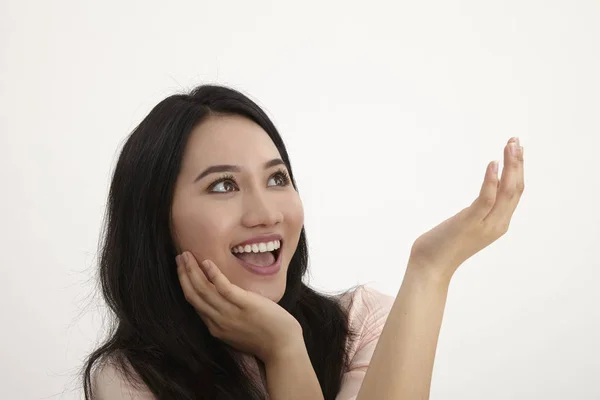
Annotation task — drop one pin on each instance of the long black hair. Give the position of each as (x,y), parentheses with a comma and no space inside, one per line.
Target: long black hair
(155,330)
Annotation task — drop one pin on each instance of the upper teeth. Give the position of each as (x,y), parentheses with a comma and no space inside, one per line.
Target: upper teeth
(257,247)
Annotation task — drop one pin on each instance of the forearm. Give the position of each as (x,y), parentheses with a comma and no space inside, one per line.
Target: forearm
(402,364)
(290,376)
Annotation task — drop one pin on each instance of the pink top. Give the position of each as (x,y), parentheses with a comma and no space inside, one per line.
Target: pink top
(367,316)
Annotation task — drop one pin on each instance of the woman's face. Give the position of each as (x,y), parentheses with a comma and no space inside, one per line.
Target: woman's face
(233,188)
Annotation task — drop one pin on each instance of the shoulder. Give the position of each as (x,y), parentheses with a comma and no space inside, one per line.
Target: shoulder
(110,381)
(368,310)
(366,302)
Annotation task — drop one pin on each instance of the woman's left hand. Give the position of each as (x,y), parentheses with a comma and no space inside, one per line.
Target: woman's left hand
(245,320)
(440,251)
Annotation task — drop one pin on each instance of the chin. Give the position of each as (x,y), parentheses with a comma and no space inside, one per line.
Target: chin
(273,291)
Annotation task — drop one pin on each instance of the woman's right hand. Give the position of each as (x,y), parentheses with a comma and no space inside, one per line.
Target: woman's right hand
(247,321)
(440,251)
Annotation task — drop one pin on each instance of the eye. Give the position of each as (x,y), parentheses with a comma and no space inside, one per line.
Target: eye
(280,178)
(224,184)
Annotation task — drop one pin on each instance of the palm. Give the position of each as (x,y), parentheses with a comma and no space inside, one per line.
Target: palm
(445,247)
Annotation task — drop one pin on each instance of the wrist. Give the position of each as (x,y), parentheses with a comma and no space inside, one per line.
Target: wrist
(285,353)
(429,275)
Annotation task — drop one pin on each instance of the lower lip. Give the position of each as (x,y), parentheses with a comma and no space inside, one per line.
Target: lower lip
(270,270)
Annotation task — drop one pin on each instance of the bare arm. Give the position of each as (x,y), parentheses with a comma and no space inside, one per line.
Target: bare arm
(290,375)
(402,363)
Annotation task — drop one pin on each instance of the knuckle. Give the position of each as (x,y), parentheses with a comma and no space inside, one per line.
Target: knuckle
(494,230)
(520,187)
(489,232)
(488,201)
(207,274)
(510,191)
(225,291)
(214,329)
(502,229)
(188,297)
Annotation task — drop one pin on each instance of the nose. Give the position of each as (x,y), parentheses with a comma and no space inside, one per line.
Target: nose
(259,210)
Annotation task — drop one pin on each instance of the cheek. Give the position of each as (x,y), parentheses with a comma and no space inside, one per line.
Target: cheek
(199,231)
(294,213)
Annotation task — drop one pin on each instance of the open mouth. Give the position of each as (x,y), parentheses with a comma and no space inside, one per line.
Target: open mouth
(259,254)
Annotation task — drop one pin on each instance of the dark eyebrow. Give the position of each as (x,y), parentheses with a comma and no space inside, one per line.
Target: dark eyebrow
(273,163)
(234,168)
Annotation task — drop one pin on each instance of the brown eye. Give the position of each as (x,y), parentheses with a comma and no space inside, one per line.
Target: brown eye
(224,186)
(280,179)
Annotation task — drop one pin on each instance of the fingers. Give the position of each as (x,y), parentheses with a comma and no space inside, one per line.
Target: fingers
(487,195)
(230,292)
(190,293)
(510,188)
(498,198)
(198,289)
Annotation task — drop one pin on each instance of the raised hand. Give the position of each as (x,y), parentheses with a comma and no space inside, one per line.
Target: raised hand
(444,248)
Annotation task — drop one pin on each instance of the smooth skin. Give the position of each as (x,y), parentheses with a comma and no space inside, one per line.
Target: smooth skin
(403,361)
(235,315)
(402,364)
(458,238)
(213,212)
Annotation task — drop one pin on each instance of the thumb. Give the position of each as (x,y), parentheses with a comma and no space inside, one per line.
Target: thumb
(482,206)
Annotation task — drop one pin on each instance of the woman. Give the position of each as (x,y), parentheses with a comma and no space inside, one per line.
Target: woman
(202,264)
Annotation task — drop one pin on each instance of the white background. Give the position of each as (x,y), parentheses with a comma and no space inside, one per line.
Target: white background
(390,111)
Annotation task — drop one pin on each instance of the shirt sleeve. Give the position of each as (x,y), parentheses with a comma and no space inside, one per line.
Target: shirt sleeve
(109,384)
(367,315)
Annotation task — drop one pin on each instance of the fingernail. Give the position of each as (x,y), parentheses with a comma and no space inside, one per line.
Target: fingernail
(513,149)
